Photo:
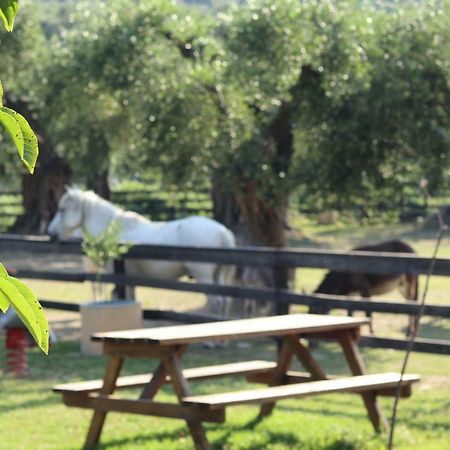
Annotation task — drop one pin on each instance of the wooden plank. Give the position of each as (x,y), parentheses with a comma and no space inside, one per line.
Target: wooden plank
(231,369)
(234,329)
(328,301)
(176,316)
(111,403)
(366,262)
(194,374)
(428,345)
(440,347)
(61,306)
(96,385)
(362,383)
(126,349)
(263,295)
(360,304)
(39,244)
(294,377)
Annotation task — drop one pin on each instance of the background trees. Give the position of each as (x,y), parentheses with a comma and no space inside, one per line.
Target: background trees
(339,102)
(25,58)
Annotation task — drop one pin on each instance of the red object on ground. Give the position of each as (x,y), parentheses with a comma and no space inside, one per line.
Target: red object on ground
(16,344)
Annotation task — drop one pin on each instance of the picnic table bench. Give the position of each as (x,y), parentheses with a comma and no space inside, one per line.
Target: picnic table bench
(167,344)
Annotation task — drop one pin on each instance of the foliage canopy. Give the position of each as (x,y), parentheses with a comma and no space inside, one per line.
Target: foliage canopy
(362,88)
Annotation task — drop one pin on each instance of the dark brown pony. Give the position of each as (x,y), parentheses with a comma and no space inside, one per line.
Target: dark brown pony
(366,284)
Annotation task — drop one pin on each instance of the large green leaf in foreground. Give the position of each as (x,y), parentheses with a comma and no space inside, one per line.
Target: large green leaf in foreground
(8,11)
(24,302)
(20,133)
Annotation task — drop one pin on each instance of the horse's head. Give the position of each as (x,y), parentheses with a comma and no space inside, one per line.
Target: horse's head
(68,220)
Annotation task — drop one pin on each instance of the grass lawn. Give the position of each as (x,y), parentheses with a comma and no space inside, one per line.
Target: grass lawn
(32,417)
(35,418)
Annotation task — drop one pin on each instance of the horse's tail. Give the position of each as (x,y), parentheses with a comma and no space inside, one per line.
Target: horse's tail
(225,274)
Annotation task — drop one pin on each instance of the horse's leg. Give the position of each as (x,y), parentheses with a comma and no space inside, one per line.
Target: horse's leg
(412,285)
(215,304)
(204,273)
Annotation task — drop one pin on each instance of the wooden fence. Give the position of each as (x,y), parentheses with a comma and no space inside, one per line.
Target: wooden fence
(365,262)
(155,203)
(160,205)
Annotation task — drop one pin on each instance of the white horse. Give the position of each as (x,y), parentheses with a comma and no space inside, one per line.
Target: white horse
(84,210)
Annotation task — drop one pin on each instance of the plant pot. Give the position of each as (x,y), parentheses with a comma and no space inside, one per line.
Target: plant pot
(97,317)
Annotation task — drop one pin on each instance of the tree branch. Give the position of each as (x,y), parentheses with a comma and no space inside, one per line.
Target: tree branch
(280,130)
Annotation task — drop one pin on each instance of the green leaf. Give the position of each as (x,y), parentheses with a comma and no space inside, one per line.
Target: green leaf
(30,149)
(1,94)
(13,129)
(3,271)
(22,308)
(28,295)
(8,11)
(4,303)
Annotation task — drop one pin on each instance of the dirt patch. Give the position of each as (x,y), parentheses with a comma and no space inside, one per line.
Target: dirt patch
(42,261)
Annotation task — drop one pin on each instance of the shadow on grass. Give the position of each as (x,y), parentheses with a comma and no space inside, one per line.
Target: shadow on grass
(29,404)
(146,438)
(435,328)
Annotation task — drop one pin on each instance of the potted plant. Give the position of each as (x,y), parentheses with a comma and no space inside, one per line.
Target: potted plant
(105,314)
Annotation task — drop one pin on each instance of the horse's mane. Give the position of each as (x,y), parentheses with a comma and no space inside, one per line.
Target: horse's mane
(92,197)
(115,212)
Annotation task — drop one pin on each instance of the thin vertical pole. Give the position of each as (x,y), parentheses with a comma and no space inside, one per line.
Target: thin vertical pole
(119,269)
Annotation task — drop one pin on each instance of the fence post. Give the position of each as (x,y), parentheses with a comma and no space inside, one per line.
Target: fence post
(120,290)
(281,282)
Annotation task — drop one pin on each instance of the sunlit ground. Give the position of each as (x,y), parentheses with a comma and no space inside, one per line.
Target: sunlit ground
(327,422)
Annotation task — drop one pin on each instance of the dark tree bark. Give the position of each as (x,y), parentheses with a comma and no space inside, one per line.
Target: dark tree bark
(42,190)
(97,178)
(100,184)
(226,209)
(265,222)
(265,218)
(41,193)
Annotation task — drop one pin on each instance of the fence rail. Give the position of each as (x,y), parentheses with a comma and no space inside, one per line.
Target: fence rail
(365,262)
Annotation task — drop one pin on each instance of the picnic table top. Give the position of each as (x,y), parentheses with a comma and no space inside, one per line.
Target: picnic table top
(234,329)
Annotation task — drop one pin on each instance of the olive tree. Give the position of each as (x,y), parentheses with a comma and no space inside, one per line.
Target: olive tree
(338,99)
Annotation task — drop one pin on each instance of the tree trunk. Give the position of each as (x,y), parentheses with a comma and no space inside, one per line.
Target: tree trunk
(98,172)
(226,210)
(265,221)
(100,184)
(42,190)
(41,193)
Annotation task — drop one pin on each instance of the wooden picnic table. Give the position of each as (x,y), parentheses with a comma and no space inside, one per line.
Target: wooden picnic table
(168,344)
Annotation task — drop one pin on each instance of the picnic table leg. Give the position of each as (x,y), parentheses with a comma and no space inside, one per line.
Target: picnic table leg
(307,360)
(181,387)
(279,374)
(98,419)
(158,379)
(357,367)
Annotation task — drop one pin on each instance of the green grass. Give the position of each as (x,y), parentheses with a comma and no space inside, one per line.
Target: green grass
(35,418)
